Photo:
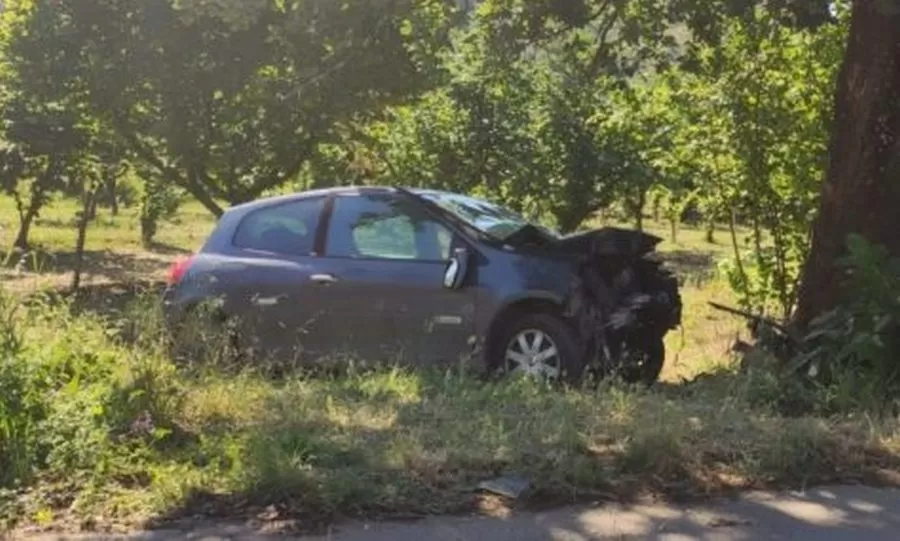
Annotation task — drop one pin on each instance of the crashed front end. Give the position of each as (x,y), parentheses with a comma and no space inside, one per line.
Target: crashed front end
(623,300)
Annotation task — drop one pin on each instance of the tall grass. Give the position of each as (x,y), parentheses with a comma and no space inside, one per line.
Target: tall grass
(98,423)
(17,431)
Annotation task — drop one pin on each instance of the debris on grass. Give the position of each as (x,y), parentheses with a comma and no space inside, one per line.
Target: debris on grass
(509,486)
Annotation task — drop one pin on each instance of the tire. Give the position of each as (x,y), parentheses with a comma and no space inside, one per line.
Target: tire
(569,363)
(651,354)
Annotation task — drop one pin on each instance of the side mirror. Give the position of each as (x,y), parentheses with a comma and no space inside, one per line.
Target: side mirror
(457,269)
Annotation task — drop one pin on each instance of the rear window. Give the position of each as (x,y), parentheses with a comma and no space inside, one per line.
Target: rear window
(288,228)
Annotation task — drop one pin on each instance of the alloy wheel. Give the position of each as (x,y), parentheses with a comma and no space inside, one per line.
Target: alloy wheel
(533,353)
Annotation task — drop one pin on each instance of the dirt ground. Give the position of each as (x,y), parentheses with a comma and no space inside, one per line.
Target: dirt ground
(847,513)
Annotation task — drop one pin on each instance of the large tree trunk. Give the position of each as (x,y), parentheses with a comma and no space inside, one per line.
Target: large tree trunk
(861,192)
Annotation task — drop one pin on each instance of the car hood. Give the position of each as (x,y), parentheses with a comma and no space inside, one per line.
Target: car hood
(605,241)
(609,241)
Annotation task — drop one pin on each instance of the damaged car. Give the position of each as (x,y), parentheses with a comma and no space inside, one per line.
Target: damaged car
(430,277)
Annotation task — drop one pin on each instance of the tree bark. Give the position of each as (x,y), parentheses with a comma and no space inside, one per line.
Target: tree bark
(25,222)
(638,210)
(861,191)
(112,191)
(88,202)
(710,231)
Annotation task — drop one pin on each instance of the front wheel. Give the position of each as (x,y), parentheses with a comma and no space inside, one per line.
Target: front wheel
(541,346)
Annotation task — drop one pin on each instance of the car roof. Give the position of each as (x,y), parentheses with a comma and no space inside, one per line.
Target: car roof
(250,206)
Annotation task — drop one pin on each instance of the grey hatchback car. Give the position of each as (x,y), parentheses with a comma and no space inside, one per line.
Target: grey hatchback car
(429,277)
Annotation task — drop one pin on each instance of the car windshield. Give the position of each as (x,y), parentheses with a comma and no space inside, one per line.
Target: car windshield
(489,218)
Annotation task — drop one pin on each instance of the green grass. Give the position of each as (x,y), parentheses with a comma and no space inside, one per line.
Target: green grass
(106,432)
(98,427)
(54,229)
(114,250)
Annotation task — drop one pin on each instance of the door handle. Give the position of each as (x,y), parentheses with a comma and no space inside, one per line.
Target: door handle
(323,279)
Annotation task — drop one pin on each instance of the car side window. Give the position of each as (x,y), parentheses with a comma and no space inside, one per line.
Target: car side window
(385,226)
(288,228)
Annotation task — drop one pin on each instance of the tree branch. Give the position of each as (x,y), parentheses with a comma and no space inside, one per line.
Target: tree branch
(171,173)
(591,18)
(599,55)
(276,178)
(371,143)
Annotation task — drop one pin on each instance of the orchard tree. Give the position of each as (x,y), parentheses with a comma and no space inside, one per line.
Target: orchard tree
(522,110)
(42,119)
(229,99)
(777,91)
(749,116)
(701,139)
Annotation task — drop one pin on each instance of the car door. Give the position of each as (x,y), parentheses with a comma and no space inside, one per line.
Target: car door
(273,267)
(385,258)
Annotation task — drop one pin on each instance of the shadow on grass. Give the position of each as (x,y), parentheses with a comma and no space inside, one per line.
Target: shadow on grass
(399,444)
(167,249)
(691,265)
(112,302)
(106,265)
(393,443)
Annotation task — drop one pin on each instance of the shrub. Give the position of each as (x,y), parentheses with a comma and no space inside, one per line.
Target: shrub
(855,348)
(70,398)
(128,191)
(159,201)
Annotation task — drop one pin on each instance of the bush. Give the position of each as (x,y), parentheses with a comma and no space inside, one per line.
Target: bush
(855,348)
(71,400)
(129,191)
(159,201)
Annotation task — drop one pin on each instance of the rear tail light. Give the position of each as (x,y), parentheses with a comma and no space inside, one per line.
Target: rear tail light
(178,269)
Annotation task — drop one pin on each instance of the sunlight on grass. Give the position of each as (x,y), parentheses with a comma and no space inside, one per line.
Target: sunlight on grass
(140,438)
(114,249)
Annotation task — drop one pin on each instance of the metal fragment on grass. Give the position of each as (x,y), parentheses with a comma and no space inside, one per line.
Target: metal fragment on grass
(510,486)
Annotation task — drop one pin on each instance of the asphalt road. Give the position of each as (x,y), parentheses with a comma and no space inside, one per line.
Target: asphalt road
(821,514)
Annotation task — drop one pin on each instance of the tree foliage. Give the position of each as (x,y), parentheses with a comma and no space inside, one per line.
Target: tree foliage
(45,128)
(749,126)
(225,99)
(560,109)
(524,109)
(561,116)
